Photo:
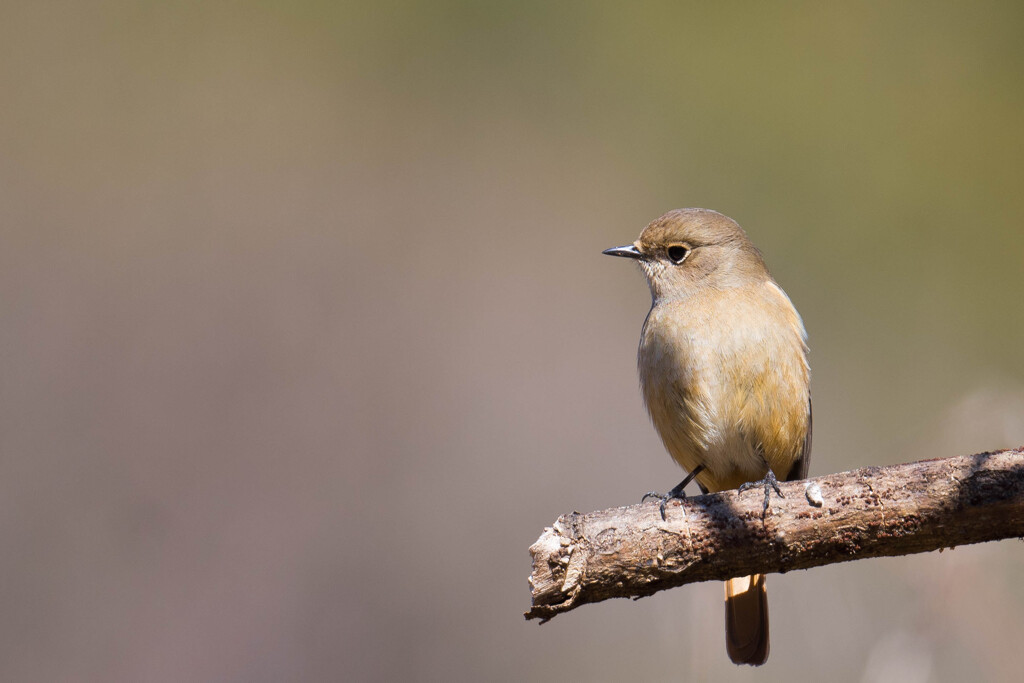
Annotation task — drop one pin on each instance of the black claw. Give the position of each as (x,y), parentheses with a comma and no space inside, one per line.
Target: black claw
(676,493)
(769,482)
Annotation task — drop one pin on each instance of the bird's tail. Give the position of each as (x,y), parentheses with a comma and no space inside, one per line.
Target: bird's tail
(746,620)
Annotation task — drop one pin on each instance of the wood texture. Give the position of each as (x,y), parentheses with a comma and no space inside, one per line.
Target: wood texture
(870,512)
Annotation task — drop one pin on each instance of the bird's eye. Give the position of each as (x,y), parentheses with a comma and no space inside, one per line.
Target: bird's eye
(677,253)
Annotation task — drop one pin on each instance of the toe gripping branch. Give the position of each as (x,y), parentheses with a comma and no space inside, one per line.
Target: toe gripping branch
(769,483)
(678,493)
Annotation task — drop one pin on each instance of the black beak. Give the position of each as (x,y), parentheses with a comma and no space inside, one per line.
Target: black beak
(628,251)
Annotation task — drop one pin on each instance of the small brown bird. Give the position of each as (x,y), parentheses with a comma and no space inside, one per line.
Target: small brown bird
(723,367)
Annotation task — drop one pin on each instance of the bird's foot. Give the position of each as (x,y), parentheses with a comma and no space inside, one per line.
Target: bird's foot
(769,482)
(676,493)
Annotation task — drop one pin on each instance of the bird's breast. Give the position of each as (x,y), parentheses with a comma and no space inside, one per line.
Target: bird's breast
(725,380)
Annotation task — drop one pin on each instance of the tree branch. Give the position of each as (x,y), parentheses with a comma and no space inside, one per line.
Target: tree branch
(871,512)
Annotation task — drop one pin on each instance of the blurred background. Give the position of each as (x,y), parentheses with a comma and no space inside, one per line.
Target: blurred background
(305,332)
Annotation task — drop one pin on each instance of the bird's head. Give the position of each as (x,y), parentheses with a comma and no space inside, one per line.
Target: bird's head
(689,250)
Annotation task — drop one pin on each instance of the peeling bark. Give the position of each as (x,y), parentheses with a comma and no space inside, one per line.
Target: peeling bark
(870,512)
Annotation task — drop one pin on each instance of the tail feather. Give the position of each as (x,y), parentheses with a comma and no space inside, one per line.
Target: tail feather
(746,620)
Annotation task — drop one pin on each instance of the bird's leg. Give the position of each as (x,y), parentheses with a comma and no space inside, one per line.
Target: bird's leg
(677,492)
(769,482)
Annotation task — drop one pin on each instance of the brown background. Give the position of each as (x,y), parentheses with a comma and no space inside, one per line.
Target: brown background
(305,333)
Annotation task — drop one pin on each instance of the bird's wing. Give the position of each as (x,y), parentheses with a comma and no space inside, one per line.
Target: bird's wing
(799,468)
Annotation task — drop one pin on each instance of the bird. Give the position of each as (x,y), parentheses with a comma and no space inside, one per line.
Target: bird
(724,373)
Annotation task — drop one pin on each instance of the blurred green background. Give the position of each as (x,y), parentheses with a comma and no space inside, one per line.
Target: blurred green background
(305,332)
